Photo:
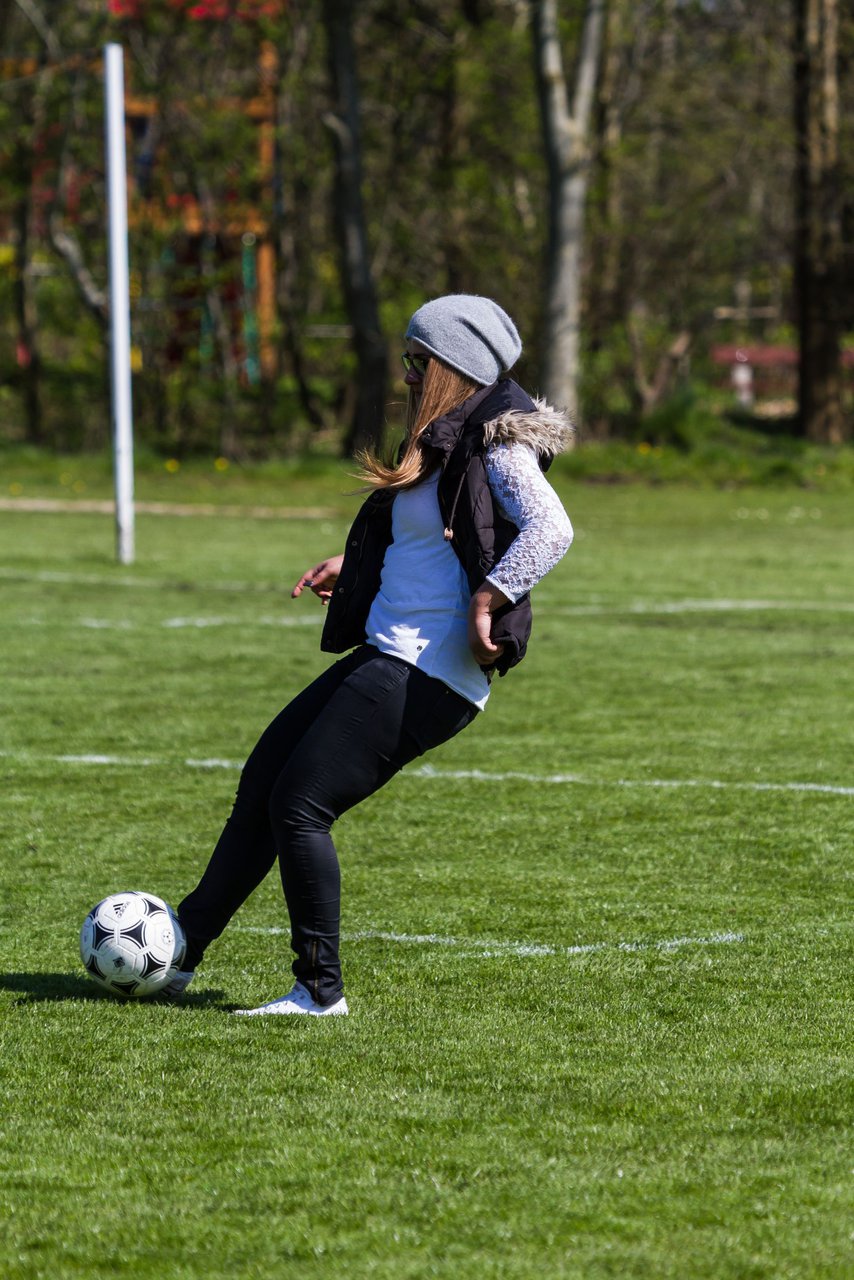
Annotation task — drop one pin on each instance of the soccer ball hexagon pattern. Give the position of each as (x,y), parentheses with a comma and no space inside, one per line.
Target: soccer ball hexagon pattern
(132,944)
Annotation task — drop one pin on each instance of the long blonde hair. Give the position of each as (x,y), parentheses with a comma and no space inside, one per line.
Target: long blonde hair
(443,389)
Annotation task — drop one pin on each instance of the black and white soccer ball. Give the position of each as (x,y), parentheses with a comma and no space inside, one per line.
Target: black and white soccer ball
(132,944)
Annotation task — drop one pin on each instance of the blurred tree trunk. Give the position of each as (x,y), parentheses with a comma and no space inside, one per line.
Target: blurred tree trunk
(31,112)
(291,186)
(6,9)
(612,133)
(366,427)
(607,247)
(818,219)
(566,133)
(446,169)
(29,356)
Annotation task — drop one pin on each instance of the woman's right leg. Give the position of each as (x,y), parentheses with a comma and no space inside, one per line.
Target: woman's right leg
(380,718)
(246,851)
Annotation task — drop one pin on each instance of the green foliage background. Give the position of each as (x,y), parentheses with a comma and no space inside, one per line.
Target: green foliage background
(690,206)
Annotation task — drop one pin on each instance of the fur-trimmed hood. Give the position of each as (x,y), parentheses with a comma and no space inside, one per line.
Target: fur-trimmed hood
(503,414)
(546,429)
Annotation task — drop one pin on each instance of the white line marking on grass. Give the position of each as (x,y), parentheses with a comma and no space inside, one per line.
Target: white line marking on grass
(574,779)
(100,624)
(122,762)
(430,773)
(499,947)
(214,763)
(131,762)
(242,622)
(177,624)
(106,507)
(60,577)
(701,606)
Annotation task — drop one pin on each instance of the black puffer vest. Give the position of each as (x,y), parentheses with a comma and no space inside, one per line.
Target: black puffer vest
(478,533)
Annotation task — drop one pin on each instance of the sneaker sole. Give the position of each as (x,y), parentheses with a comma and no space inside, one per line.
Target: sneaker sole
(294,1011)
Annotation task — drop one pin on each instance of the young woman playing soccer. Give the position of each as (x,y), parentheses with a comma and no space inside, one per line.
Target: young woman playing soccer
(431,598)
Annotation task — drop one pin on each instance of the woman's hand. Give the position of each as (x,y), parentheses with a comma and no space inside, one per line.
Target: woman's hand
(484,602)
(321,579)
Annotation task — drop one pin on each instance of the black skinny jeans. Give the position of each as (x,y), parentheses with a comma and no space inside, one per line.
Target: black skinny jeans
(339,741)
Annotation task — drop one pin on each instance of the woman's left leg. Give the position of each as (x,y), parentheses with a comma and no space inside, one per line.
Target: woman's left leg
(246,851)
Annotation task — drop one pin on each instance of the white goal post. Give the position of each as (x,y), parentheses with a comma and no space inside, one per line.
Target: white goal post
(120,362)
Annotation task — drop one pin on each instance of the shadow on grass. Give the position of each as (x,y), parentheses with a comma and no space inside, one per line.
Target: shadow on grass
(34,987)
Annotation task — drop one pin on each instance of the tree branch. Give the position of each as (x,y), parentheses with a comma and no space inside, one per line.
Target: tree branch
(62,242)
(32,11)
(588,64)
(69,250)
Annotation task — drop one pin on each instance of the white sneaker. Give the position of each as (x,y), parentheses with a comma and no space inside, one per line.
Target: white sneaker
(298,1001)
(179,984)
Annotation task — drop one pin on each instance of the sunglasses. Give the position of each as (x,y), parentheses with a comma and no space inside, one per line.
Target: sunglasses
(418,363)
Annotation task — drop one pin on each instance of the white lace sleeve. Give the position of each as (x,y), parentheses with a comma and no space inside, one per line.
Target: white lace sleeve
(524,496)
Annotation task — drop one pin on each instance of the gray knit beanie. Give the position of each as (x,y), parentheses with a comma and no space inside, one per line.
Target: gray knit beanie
(471,334)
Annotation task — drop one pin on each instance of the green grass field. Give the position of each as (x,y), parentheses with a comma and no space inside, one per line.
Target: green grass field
(598,949)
